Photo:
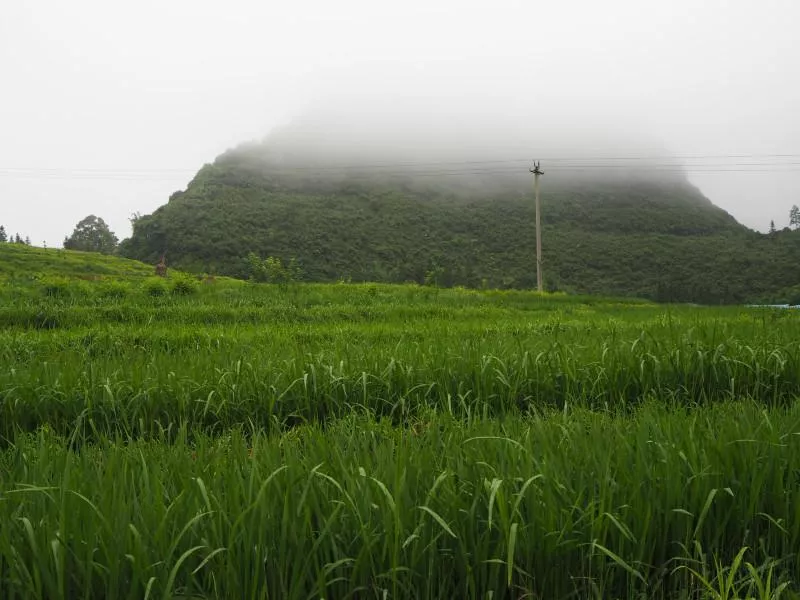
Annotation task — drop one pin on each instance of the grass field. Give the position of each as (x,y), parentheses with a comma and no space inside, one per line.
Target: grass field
(218,439)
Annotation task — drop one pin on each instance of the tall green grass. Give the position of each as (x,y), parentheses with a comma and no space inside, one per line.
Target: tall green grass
(350,441)
(274,357)
(559,505)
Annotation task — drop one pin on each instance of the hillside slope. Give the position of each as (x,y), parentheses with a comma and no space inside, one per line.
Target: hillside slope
(20,262)
(616,235)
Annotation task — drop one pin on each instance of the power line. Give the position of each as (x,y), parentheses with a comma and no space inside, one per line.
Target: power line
(450,173)
(421,169)
(517,161)
(679,157)
(395,165)
(96,170)
(566,169)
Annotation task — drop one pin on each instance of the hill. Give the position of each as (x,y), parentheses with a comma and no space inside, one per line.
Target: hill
(642,233)
(20,262)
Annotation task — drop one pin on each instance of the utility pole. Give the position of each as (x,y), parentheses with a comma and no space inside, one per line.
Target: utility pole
(536,173)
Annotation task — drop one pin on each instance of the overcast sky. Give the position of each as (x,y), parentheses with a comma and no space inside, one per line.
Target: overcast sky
(107,107)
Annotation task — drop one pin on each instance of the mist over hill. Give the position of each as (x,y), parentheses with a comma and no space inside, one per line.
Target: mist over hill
(449,143)
(369,195)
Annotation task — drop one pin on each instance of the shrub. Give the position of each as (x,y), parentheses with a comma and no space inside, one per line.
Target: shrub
(56,287)
(155,287)
(272,270)
(183,285)
(114,290)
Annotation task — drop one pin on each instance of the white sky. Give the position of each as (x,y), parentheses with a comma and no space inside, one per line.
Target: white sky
(107,106)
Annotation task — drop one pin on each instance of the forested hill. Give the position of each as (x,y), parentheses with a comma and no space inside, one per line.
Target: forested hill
(608,233)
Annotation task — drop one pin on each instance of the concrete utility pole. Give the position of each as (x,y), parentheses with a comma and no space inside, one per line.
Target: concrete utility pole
(536,172)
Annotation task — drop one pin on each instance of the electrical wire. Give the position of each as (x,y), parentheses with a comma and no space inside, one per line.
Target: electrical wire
(764,163)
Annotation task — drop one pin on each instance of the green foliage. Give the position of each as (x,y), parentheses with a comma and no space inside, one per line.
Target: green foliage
(660,240)
(116,290)
(57,287)
(182,284)
(434,275)
(3,234)
(91,234)
(740,579)
(272,270)
(155,287)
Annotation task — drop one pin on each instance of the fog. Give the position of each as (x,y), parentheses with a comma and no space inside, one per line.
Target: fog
(452,136)
(449,126)
(108,109)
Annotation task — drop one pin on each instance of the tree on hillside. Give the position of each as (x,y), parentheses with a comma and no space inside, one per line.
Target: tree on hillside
(772,229)
(17,239)
(794,217)
(272,270)
(3,234)
(92,235)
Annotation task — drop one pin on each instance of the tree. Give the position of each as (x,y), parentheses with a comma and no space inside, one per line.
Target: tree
(92,235)
(272,270)
(772,229)
(3,234)
(27,240)
(18,240)
(794,217)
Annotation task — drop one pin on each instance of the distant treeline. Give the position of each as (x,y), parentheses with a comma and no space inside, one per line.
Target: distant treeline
(15,239)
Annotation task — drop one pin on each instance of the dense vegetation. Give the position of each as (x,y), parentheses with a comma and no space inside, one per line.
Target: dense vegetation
(620,235)
(222,439)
